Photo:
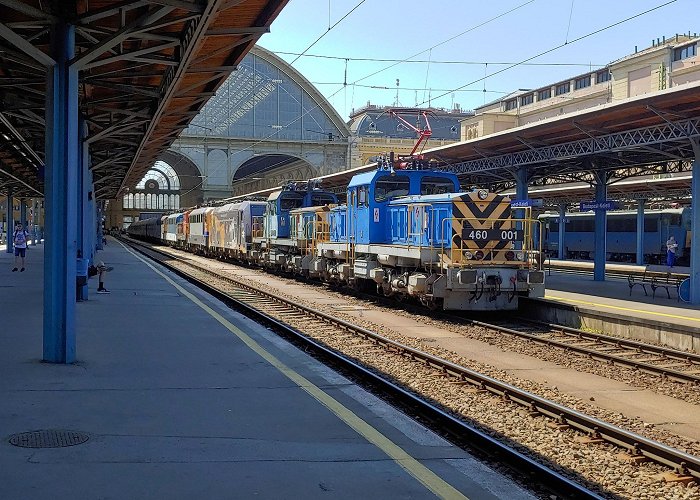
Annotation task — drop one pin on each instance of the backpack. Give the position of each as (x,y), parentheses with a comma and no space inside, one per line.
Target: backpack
(20,238)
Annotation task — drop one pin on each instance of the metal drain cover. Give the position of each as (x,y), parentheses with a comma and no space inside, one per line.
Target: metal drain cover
(48,438)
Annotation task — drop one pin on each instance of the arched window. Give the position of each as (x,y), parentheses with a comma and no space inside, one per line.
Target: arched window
(157,190)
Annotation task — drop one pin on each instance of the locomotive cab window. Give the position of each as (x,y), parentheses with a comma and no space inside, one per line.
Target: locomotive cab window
(290,202)
(437,185)
(318,199)
(388,187)
(363,200)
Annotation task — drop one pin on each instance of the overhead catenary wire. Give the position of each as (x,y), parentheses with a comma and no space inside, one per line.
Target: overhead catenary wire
(548,51)
(329,29)
(434,61)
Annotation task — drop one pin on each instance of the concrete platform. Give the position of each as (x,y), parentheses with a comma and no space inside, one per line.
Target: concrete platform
(576,300)
(183,398)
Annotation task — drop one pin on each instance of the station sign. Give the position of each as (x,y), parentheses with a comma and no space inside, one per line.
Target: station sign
(586,206)
(537,202)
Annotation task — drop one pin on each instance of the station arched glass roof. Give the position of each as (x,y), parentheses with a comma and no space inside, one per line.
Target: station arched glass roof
(164,175)
(265,98)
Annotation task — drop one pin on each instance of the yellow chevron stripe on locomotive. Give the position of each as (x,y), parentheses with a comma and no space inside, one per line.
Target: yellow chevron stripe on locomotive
(484,232)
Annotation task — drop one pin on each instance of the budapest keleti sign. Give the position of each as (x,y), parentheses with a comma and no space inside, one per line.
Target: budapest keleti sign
(597,205)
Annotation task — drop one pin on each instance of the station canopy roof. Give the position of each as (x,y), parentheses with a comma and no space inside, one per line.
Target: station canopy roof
(643,130)
(146,68)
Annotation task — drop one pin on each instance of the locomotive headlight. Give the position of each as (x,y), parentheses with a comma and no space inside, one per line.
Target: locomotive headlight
(479,255)
(482,194)
(521,256)
(468,255)
(510,255)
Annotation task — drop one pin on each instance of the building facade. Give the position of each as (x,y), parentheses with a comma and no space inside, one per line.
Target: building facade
(669,62)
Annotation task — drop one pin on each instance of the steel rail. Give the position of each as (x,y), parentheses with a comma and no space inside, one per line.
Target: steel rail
(667,352)
(637,446)
(603,356)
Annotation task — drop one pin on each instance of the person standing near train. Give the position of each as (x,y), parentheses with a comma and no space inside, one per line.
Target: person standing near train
(672,246)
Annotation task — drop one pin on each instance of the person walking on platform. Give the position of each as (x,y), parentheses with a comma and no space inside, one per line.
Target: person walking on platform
(19,240)
(672,246)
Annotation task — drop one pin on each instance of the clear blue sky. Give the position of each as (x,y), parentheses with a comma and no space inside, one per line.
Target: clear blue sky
(399,29)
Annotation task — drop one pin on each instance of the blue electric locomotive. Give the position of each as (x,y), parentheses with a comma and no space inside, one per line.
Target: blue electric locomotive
(277,246)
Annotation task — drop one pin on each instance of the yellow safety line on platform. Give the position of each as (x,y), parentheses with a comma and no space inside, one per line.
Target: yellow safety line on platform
(620,308)
(427,477)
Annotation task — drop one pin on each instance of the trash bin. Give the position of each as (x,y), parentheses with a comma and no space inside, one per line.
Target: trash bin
(81,278)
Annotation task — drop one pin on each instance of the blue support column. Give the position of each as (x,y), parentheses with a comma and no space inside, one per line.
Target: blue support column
(89,228)
(562,231)
(640,232)
(100,207)
(84,252)
(61,179)
(601,228)
(23,213)
(521,185)
(10,221)
(695,229)
(35,220)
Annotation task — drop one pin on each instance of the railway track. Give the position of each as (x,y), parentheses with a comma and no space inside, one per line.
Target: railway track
(657,360)
(279,311)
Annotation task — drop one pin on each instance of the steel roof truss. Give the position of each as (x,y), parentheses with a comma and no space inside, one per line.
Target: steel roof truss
(129,56)
(24,46)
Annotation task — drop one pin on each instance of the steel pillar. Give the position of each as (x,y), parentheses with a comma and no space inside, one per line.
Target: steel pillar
(35,221)
(61,180)
(640,232)
(23,213)
(562,230)
(10,222)
(695,229)
(84,250)
(601,229)
(521,185)
(99,204)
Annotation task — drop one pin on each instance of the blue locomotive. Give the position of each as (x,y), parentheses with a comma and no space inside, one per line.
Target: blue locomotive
(621,242)
(412,233)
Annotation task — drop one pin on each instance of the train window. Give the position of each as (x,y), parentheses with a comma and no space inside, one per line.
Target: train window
(321,199)
(389,186)
(291,202)
(363,201)
(353,197)
(651,224)
(622,224)
(580,225)
(436,185)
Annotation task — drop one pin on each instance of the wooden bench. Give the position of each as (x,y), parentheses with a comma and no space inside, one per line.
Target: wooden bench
(659,276)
